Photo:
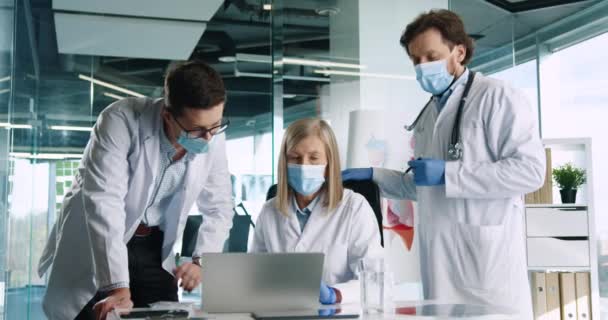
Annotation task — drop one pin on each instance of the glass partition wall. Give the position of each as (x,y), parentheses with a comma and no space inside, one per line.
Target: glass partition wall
(62,62)
(7,25)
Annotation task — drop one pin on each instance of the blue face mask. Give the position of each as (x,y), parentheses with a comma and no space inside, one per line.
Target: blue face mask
(197,146)
(306,179)
(434,77)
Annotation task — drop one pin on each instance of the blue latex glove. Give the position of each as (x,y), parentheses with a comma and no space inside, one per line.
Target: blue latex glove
(357,174)
(327,312)
(327,294)
(428,172)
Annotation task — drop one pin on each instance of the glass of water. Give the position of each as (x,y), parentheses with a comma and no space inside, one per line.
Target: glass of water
(376,281)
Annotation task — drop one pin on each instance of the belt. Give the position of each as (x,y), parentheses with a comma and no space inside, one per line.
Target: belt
(144,230)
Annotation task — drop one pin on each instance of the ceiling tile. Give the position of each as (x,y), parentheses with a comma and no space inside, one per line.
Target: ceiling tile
(126,37)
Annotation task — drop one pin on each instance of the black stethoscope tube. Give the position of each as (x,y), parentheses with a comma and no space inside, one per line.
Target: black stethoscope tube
(455,137)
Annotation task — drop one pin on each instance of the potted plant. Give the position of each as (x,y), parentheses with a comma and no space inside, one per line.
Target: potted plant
(569,178)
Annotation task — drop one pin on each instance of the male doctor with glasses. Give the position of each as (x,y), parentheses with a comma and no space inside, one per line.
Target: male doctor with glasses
(146,164)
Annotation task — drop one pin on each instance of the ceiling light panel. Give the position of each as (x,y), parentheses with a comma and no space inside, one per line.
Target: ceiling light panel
(126,37)
(195,10)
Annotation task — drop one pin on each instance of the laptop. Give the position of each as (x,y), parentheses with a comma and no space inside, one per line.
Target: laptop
(241,282)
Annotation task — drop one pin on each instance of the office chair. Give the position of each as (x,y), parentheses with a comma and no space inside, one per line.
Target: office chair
(237,240)
(367,188)
(190,235)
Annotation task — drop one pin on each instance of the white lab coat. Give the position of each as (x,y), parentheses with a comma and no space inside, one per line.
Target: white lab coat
(87,246)
(346,235)
(472,247)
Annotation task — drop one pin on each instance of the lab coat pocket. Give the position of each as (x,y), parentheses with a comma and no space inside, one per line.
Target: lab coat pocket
(474,141)
(482,258)
(335,268)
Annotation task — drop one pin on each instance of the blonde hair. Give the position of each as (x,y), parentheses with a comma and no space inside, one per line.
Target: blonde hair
(296,132)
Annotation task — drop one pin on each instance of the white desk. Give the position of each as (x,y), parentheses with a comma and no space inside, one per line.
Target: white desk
(403,310)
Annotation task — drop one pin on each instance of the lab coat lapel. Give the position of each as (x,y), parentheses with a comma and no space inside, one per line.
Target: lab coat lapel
(150,123)
(312,229)
(292,232)
(173,216)
(145,164)
(316,218)
(444,123)
(179,207)
(448,111)
(293,225)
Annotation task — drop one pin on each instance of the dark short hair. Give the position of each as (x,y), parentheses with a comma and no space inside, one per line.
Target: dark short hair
(193,84)
(447,23)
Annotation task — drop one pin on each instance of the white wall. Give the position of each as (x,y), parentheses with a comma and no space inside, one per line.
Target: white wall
(376,105)
(382,54)
(367,32)
(342,96)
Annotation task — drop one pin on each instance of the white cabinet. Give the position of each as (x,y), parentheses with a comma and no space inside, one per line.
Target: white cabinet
(561,237)
(554,252)
(557,222)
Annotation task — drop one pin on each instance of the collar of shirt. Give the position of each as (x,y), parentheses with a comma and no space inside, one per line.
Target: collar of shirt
(308,210)
(462,80)
(166,148)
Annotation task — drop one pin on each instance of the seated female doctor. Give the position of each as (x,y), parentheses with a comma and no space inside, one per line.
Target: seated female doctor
(312,212)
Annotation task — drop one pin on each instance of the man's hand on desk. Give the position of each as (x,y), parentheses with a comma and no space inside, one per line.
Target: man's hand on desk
(190,275)
(117,298)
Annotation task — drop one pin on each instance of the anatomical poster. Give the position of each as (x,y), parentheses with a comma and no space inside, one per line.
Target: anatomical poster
(377,138)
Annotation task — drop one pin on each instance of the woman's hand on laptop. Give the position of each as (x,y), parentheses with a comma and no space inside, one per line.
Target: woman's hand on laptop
(328,295)
(190,275)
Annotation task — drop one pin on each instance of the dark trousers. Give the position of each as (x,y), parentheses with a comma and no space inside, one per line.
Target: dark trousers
(149,282)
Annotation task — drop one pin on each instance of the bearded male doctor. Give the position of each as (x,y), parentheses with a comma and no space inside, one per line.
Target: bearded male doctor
(478,149)
(147,162)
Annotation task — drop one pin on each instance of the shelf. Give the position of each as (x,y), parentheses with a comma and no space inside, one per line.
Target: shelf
(557,205)
(560,269)
(575,144)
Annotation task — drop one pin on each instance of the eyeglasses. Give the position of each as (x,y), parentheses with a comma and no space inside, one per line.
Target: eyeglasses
(202,132)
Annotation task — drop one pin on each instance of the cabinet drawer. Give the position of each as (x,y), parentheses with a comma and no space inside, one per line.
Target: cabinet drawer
(556,222)
(552,252)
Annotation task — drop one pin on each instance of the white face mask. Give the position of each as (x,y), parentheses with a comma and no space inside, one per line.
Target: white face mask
(306,179)
(434,77)
(194,145)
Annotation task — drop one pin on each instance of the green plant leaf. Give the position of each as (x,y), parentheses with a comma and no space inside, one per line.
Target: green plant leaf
(569,177)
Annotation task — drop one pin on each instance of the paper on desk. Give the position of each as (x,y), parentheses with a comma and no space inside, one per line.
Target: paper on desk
(195,313)
(226,316)
(117,314)
(166,305)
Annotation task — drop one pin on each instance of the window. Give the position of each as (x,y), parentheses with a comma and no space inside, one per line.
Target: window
(575,104)
(523,77)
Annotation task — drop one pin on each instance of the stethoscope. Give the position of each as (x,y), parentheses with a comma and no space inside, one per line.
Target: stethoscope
(455,146)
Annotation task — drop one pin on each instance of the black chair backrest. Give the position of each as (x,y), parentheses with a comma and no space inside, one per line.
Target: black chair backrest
(370,191)
(272,192)
(367,188)
(237,240)
(190,234)
(239,234)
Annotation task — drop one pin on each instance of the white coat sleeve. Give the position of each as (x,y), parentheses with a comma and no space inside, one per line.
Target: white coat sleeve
(259,242)
(395,184)
(215,202)
(511,133)
(364,243)
(105,175)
